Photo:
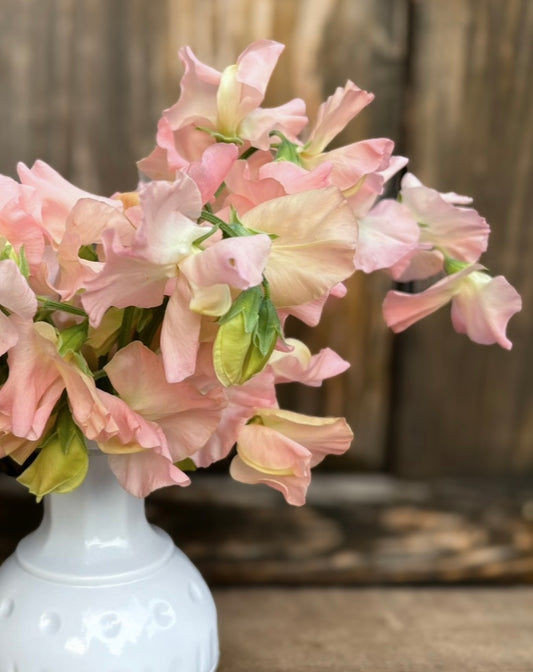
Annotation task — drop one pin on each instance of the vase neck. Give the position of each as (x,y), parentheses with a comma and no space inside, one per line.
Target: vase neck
(99,526)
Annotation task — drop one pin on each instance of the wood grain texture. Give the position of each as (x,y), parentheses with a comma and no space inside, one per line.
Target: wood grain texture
(461,408)
(376,630)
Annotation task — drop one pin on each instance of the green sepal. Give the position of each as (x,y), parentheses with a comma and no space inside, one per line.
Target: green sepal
(81,362)
(248,302)
(88,253)
(287,150)
(71,339)
(452,266)
(246,338)
(220,137)
(268,328)
(186,465)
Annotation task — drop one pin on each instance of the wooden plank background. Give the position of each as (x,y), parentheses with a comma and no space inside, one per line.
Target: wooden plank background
(83,83)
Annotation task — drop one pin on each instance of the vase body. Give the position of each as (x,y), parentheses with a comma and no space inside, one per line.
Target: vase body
(96,588)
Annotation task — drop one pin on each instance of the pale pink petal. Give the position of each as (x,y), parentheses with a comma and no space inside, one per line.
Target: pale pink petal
(271,452)
(243,85)
(186,416)
(295,179)
(20,211)
(211,171)
(352,162)
(385,235)
(90,414)
(57,194)
(8,333)
(302,367)
(128,431)
(180,334)
(483,307)
(418,264)
(34,384)
(335,113)
(238,262)
(169,225)
(293,488)
(321,436)
(254,68)
(247,187)
(15,293)
(125,280)
(461,232)
(142,473)
(289,119)
(197,100)
(401,310)
(84,226)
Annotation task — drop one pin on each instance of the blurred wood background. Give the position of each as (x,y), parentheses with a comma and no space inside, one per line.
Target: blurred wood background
(84,82)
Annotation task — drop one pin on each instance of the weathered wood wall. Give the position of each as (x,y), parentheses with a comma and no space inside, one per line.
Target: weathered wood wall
(83,83)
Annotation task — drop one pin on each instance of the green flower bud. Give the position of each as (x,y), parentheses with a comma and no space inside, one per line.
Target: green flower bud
(62,462)
(246,338)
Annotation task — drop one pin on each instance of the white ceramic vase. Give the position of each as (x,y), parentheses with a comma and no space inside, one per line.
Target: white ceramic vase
(96,588)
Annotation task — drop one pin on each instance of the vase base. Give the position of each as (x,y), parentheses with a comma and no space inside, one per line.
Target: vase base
(162,622)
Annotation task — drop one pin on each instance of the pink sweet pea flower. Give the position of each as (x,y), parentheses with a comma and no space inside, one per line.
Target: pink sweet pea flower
(387,234)
(34,383)
(137,451)
(299,366)
(57,196)
(240,404)
(38,374)
(446,229)
(162,260)
(353,163)
(481,306)
(226,103)
(186,416)
(20,210)
(280,448)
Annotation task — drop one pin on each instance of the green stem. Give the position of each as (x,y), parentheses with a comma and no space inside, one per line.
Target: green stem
(49,304)
(126,327)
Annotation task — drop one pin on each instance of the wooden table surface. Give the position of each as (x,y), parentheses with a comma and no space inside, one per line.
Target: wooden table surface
(376,629)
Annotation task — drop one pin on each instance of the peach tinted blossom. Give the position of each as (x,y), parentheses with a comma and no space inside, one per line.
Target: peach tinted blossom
(187,417)
(481,305)
(315,244)
(57,195)
(387,234)
(280,449)
(298,365)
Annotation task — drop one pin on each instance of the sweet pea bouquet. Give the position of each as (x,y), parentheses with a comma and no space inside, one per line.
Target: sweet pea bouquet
(152,322)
